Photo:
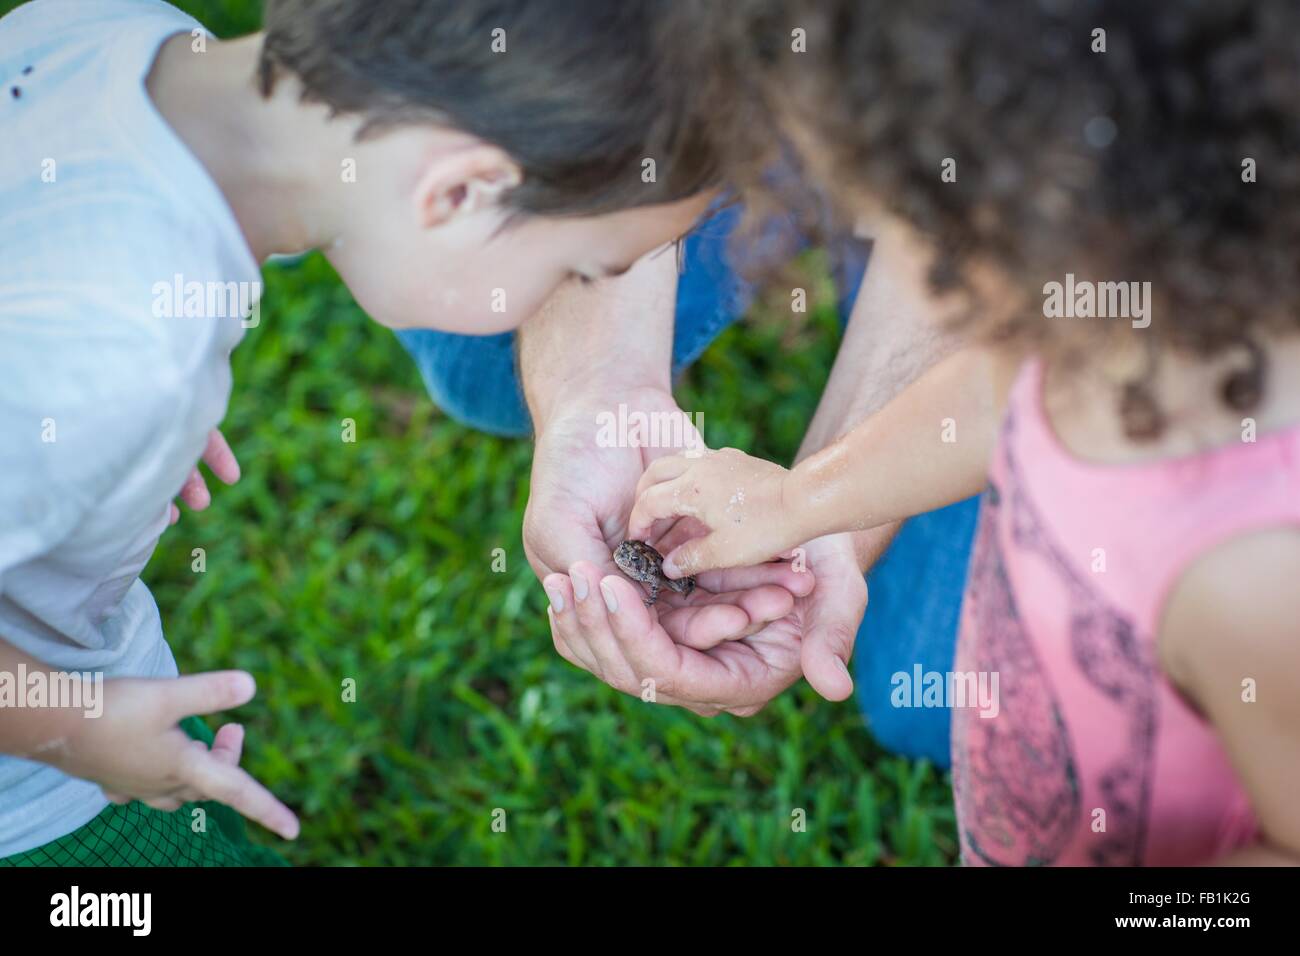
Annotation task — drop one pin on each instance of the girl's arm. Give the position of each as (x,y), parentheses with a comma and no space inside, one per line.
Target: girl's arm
(927,448)
(1230,641)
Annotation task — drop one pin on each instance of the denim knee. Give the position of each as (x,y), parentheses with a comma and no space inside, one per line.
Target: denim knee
(472,378)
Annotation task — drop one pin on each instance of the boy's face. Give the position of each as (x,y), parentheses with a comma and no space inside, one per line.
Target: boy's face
(472,273)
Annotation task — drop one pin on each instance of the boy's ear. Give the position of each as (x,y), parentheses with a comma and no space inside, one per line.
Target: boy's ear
(461,181)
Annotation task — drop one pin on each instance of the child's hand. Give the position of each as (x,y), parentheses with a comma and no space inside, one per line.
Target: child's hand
(136,751)
(217,456)
(741,499)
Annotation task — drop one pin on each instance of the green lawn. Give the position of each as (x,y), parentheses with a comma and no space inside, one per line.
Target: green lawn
(372,561)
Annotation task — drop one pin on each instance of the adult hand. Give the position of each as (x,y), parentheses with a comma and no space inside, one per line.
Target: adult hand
(577,513)
(612,634)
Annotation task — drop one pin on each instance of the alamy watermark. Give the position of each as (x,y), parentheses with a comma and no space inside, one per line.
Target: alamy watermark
(1083,299)
(42,689)
(922,688)
(658,429)
(192,299)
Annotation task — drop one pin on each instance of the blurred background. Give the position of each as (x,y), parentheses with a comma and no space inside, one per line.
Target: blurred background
(372,561)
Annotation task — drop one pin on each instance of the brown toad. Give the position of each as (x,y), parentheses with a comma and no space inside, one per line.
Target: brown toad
(640,562)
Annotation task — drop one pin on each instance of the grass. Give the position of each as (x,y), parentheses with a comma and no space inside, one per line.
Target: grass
(371,561)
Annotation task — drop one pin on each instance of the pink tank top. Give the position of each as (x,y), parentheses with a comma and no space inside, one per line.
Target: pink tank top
(1093,757)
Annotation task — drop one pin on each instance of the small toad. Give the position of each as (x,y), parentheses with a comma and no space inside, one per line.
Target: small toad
(640,562)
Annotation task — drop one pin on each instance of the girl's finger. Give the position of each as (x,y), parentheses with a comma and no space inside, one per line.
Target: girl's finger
(663,469)
(666,535)
(220,458)
(666,500)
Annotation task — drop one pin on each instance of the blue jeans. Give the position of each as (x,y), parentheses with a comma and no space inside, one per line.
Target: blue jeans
(915,589)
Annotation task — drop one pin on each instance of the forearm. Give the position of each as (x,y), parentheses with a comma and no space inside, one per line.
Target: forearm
(30,732)
(600,340)
(927,448)
(892,339)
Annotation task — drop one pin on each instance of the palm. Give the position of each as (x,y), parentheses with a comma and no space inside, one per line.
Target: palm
(744,636)
(763,664)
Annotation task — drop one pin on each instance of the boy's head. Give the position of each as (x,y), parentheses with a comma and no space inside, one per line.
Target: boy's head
(502,146)
(1111,139)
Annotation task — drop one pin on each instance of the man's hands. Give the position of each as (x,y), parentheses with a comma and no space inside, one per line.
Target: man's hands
(136,751)
(744,636)
(611,633)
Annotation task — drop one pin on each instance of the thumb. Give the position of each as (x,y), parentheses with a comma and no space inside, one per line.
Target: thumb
(208,693)
(704,553)
(830,631)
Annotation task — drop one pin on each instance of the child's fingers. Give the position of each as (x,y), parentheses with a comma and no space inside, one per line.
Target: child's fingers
(208,693)
(669,499)
(195,491)
(165,804)
(667,535)
(228,744)
(220,458)
(239,791)
(174,515)
(663,469)
(706,553)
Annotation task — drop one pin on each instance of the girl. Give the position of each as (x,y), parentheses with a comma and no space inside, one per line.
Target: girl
(1103,189)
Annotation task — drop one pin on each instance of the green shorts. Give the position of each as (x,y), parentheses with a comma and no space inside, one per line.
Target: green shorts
(135,835)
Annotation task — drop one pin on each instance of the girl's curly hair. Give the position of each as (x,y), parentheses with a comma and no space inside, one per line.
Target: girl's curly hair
(1118,140)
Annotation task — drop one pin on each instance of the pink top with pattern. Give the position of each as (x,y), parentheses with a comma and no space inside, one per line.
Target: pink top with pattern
(1093,757)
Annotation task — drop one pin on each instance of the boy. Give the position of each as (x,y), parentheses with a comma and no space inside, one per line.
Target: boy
(455,162)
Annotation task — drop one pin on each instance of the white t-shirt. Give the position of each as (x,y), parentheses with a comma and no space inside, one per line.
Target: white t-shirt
(105,401)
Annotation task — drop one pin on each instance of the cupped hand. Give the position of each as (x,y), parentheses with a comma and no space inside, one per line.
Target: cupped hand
(599,623)
(581,496)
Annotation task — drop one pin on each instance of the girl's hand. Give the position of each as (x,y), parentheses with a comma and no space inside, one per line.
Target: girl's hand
(741,499)
(135,750)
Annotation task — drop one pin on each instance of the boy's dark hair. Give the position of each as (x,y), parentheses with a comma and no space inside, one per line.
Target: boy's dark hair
(1122,165)
(583,93)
